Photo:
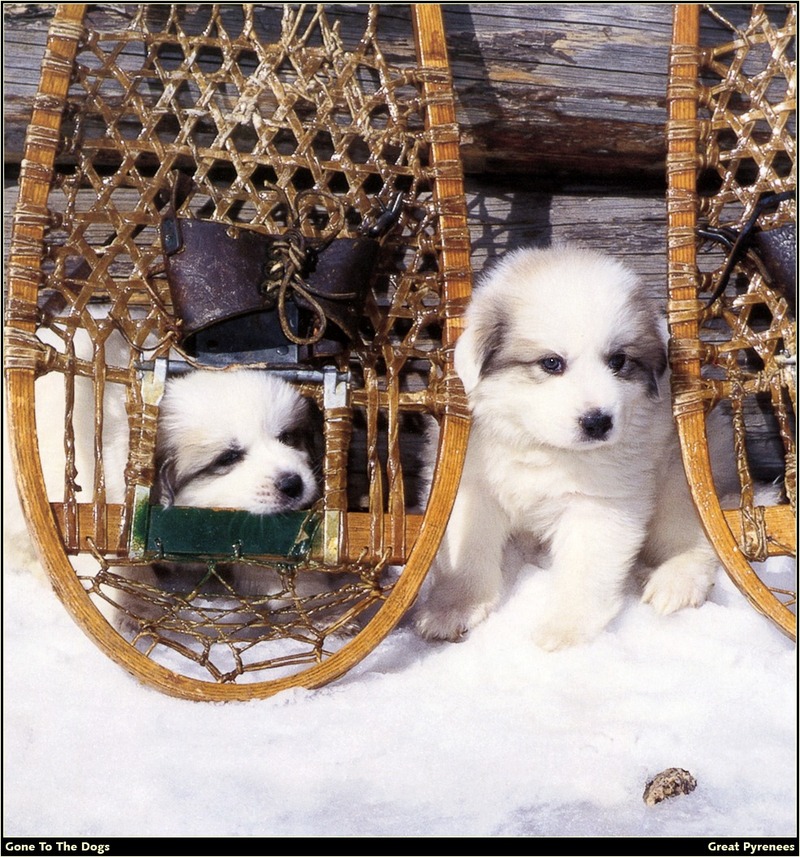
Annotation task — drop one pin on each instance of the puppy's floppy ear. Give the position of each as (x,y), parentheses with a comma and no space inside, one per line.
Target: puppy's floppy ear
(466,360)
(651,353)
(478,347)
(164,484)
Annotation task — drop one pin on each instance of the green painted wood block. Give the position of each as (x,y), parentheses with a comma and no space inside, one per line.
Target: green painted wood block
(185,533)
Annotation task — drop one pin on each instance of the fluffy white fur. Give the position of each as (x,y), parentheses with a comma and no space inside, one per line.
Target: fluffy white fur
(239,440)
(573,443)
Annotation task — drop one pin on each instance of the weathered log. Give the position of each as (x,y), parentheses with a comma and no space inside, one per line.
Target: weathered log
(556,91)
(502,219)
(562,90)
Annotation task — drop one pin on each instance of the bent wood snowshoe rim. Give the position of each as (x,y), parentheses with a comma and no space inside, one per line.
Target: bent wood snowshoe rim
(24,358)
(690,399)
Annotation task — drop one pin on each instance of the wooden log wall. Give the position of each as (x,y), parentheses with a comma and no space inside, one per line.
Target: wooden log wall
(562,108)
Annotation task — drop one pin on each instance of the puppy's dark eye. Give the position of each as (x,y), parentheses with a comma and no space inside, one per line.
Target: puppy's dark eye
(617,361)
(553,364)
(228,458)
(292,437)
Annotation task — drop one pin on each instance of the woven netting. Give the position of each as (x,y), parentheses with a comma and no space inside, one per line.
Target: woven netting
(281,117)
(736,349)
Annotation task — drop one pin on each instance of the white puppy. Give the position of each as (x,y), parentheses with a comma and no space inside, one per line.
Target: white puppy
(573,442)
(239,439)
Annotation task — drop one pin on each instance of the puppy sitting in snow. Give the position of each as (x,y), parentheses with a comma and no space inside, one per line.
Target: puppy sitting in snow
(573,443)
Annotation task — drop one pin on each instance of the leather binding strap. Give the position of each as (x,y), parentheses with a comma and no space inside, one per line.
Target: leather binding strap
(236,290)
(223,287)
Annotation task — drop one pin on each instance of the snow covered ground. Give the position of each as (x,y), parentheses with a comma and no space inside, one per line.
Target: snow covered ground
(490,737)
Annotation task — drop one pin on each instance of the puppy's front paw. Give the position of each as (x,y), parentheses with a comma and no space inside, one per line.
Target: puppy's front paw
(559,632)
(564,625)
(450,622)
(678,583)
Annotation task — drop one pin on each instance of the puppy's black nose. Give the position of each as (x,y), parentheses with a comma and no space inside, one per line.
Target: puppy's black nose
(290,485)
(596,424)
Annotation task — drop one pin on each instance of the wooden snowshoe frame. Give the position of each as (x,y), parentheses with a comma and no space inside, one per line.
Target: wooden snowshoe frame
(732,141)
(259,106)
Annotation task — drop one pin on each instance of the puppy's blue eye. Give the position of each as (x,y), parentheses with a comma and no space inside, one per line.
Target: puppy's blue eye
(617,361)
(553,365)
